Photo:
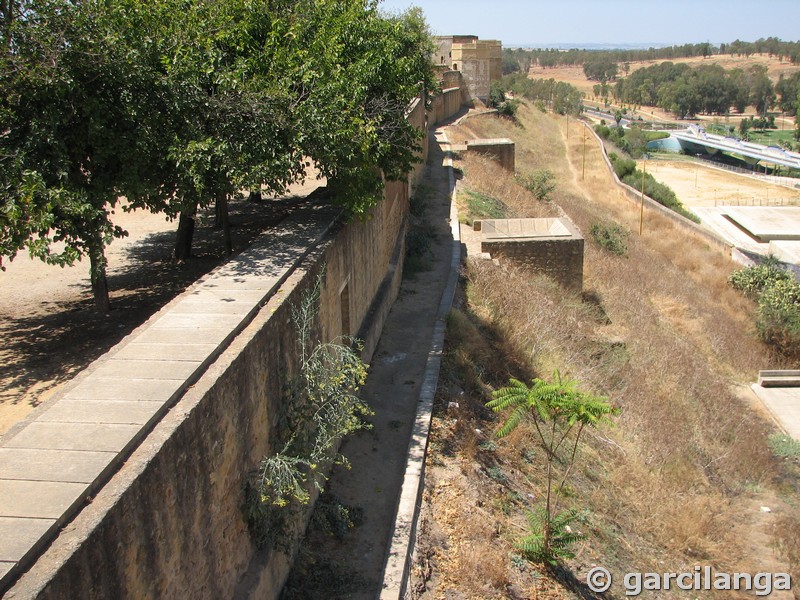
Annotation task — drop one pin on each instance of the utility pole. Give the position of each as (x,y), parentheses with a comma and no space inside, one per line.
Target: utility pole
(583,173)
(641,207)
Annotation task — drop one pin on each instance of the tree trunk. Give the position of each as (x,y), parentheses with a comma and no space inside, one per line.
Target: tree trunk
(183,240)
(255,196)
(222,215)
(97,273)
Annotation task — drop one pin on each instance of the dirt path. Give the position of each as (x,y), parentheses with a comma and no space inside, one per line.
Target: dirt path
(352,567)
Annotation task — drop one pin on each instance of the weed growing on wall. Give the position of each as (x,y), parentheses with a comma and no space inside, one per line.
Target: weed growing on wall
(322,408)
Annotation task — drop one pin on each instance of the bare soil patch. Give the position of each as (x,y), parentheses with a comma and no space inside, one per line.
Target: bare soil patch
(699,184)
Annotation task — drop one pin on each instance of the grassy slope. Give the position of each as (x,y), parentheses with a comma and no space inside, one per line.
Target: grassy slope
(679,481)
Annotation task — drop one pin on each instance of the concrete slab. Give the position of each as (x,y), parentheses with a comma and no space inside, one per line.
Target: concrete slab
(147,390)
(38,499)
(198,320)
(17,535)
(784,404)
(766,223)
(75,436)
(713,218)
(142,351)
(129,412)
(158,367)
(786,250)
(171,335)
(232,282)
(210,295)
(53,465)
(5,567)
(216,306)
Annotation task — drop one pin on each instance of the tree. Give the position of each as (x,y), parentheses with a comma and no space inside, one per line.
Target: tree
(77,105)
(762,92)
(556,410)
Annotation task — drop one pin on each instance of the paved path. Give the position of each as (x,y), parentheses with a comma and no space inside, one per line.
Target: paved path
(51,463)
(784,405)
(378,456)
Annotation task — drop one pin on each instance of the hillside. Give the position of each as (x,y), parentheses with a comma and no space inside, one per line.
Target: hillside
(679,480)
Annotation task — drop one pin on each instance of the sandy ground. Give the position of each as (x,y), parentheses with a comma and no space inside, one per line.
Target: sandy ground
(698,184)
(49,329)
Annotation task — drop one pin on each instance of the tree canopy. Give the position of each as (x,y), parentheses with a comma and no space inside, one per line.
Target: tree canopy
(180,103)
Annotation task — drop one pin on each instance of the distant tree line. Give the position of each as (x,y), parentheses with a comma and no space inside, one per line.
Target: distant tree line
(515,59)
(180,104)
(561,97)
(686,91)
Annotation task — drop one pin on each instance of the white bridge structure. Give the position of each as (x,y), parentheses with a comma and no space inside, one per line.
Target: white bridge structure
(750,152)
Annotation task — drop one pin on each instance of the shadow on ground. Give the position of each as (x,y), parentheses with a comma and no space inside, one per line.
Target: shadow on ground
(49,346)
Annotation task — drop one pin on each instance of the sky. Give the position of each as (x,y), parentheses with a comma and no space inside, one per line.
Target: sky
(665,22)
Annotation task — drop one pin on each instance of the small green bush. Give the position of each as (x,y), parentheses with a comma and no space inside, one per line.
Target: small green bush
(784,446)
(778,315)
(603,131)
(540,183)
(752,281)
(611,237)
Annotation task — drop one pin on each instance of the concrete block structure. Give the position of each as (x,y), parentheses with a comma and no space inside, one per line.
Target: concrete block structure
(553,247)
(501,150)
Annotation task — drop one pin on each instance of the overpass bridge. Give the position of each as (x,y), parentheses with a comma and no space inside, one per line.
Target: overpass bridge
(695,136)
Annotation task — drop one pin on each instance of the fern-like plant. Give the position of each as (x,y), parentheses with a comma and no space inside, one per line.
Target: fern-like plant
(557,410)
(536,546)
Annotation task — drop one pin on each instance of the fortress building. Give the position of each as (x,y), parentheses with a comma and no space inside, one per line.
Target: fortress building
(479,61)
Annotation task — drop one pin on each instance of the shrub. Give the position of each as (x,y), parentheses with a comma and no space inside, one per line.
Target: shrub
(508,109)
(603,131)
(752,281)
(622,166)
(540,183)
(611,237)
(778,315)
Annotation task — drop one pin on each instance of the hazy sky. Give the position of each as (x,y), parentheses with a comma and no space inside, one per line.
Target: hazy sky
(611,21)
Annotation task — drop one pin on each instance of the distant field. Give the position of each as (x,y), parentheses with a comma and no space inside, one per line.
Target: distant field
(696,184)
(575,76)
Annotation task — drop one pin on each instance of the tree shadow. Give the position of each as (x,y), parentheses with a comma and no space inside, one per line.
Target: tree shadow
(41,351)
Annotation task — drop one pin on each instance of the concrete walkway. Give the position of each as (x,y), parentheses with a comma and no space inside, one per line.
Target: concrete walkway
(784,405)
(53,462)
(395,388)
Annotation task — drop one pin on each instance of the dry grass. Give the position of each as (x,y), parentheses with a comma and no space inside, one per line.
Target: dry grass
(663,336)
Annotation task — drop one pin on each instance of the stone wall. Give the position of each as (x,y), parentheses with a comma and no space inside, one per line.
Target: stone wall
(560,258)
(169,522)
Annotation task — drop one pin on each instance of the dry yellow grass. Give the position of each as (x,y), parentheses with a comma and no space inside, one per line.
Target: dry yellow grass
(676,481)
